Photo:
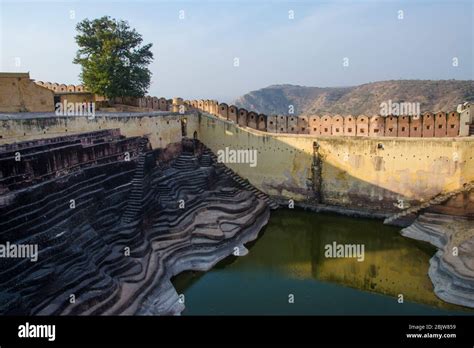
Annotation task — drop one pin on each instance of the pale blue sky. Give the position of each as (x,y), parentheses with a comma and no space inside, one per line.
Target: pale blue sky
(194,56)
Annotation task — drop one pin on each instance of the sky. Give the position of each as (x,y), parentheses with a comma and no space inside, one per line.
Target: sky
(197,44)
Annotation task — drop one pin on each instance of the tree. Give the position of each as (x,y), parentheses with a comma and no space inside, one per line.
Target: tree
(114,64)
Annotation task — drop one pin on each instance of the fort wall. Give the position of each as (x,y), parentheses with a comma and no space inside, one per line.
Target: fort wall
(161,128)
(18,93)
(366,162)
(370,173)
(427,125)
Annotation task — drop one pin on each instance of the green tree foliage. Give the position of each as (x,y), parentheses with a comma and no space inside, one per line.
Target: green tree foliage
(114,63)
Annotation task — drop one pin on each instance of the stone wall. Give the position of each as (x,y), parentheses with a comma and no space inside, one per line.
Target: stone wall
(162,129)
(427,125)
(26,163)
(81,222)
(459,205)
(18,93)
(61,87)
(377,172)
(370,173)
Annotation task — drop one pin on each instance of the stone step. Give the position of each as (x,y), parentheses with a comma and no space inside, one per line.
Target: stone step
(434,201)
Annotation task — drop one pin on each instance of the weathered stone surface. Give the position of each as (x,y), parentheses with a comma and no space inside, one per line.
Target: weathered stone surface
(364,173)
(135,224)
(452,267)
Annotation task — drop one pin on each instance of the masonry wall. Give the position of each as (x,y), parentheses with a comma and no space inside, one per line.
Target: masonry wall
(356,172)
(369,173)
(161,129)
(21,94)
(76,98)
(426,126)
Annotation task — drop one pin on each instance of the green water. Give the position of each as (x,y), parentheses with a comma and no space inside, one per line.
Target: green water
(288,262)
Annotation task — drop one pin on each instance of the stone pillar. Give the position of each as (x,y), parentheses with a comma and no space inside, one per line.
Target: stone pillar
(163,104)
(465,119)
(416,126)
(314,125)
(326,125)
(362,125)
(452,124)
(201,105)
(281,124)
(242,118)
(391,126)
(272,124)
(223,111)
(303,125)
(349,126)
(262,123)
(337,125)
(214,107)
(232,113)
(178,105)
(292,125)
(156,103)
(403,126)
(440,125)
(428,125)
(376,126)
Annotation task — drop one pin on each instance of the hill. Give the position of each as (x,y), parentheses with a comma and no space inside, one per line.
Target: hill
(433,95)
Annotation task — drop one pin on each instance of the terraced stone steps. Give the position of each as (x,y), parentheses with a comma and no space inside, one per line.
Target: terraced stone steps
(239,180)
(58,244)
(29,163)
(105,134)
(126,237)
(441,198)
(135,201)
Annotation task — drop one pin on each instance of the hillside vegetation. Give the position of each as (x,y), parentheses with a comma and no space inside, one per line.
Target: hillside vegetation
(439,95)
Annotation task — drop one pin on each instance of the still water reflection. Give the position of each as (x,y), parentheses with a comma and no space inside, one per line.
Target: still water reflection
(289,259)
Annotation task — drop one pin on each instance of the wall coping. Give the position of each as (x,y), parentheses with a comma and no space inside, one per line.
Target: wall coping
(41,115)
(332,137)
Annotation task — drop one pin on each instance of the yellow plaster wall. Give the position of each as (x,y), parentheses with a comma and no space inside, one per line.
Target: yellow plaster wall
(22,94)
(355,173)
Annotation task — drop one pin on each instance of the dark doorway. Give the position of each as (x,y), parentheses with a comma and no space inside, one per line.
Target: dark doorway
(57,99)
(184,130)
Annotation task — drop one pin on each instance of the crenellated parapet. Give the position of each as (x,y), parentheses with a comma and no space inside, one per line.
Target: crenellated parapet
(62,88)
(162,104)
(427,125)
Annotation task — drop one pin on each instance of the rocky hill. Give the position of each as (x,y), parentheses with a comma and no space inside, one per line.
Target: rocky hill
(433,95)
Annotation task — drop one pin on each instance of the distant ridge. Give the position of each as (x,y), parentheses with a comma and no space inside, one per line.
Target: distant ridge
(433,95)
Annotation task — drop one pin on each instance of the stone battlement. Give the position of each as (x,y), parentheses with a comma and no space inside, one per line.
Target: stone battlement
(62,88)
(428,125)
